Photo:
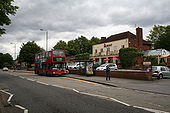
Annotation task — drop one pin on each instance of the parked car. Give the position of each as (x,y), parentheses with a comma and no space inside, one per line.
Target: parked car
(96,64)
(5,69)
(160,71)
(111,66)
(75,66)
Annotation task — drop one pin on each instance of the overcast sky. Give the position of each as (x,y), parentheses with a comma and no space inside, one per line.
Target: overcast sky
(68,19)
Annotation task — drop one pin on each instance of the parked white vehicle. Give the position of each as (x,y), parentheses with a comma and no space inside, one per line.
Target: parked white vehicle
(111,66)
(5,69)
(160,71)
(75,66)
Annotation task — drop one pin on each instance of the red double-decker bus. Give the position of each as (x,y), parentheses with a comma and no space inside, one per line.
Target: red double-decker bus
(51,63)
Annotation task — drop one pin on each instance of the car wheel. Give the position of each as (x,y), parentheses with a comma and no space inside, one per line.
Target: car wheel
(160,76)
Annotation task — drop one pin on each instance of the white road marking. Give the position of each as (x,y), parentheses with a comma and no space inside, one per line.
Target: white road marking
(151,110)
(9,99)
(76,90)
(30,79)
(120,102)
(42,83)
(22,77)
(25,110)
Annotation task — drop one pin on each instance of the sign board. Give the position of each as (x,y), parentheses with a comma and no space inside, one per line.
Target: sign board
(89,68)
(146,63)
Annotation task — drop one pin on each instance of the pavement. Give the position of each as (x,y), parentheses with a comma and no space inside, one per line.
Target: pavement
(161,86)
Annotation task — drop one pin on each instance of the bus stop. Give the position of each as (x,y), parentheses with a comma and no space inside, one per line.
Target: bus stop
(85,68)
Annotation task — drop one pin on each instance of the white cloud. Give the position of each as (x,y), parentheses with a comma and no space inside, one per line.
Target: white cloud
(68,19)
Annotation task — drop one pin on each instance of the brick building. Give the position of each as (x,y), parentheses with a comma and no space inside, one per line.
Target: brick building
(109,47)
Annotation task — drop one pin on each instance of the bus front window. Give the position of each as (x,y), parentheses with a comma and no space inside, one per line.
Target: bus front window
(58,66)
(58,53)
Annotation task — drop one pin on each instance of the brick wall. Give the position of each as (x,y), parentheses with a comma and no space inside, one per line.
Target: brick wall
(128,74)
(140,75)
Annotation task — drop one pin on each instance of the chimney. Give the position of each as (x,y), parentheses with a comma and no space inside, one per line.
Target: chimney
(103,39)
(139,36)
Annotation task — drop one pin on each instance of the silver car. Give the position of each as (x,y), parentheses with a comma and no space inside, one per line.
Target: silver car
(160,71)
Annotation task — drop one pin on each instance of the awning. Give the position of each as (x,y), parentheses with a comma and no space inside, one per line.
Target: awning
(114,59)
(165,56)
(106,59)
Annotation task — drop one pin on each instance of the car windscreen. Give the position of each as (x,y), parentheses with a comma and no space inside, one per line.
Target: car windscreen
(103,65)
(154,68)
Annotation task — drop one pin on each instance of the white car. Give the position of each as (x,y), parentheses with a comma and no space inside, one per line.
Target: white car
(5,69)
(111,66)
(75,66)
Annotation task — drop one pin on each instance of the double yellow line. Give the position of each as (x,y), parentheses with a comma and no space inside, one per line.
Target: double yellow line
(79,80)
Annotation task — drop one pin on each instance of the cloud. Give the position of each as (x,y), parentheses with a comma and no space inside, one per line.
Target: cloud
(68,19)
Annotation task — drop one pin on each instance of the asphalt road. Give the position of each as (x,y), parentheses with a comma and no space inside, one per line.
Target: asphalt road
(39,98)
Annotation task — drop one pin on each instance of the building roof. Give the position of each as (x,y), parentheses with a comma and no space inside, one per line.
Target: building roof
(119,36)
(156,52)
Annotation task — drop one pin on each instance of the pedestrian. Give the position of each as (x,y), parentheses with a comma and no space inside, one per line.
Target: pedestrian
(107,73)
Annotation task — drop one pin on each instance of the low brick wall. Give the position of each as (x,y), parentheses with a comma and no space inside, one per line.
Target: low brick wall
(140,75)
(78,72)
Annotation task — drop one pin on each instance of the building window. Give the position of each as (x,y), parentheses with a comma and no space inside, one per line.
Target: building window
(108,51)
(101,50)
(95,50)
(123,46)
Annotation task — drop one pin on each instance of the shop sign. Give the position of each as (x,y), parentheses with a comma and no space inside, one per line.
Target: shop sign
(146,63)
(107,45)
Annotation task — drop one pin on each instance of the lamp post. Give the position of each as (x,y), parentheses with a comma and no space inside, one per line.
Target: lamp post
(46,32)
(15,53)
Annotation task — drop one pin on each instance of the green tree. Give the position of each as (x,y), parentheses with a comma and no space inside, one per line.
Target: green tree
(152,59)
(6,9)
(128,56)
(6,60)
(78,46)
(83,56)
(28,51)
(93,41)
(164,40)
(82,45)
(71,48)
(1,60)
(61,45)
(156,35)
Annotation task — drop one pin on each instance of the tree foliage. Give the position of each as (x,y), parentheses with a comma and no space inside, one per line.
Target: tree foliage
(128,56)
(61,45)
(93,41)
(6,9)
(83,56)
(152,59)
(78,47)
(160,37)
(164,40)
(28,51)
(6,60)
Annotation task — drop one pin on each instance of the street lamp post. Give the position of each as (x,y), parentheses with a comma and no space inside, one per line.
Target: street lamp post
(46,31)
(15,53)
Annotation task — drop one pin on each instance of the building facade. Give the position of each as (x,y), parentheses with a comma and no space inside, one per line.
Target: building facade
(108,49)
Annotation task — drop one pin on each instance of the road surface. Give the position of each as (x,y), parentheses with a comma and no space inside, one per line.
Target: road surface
(38,97)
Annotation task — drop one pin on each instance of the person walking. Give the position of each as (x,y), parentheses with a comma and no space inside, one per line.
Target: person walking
(107,73)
